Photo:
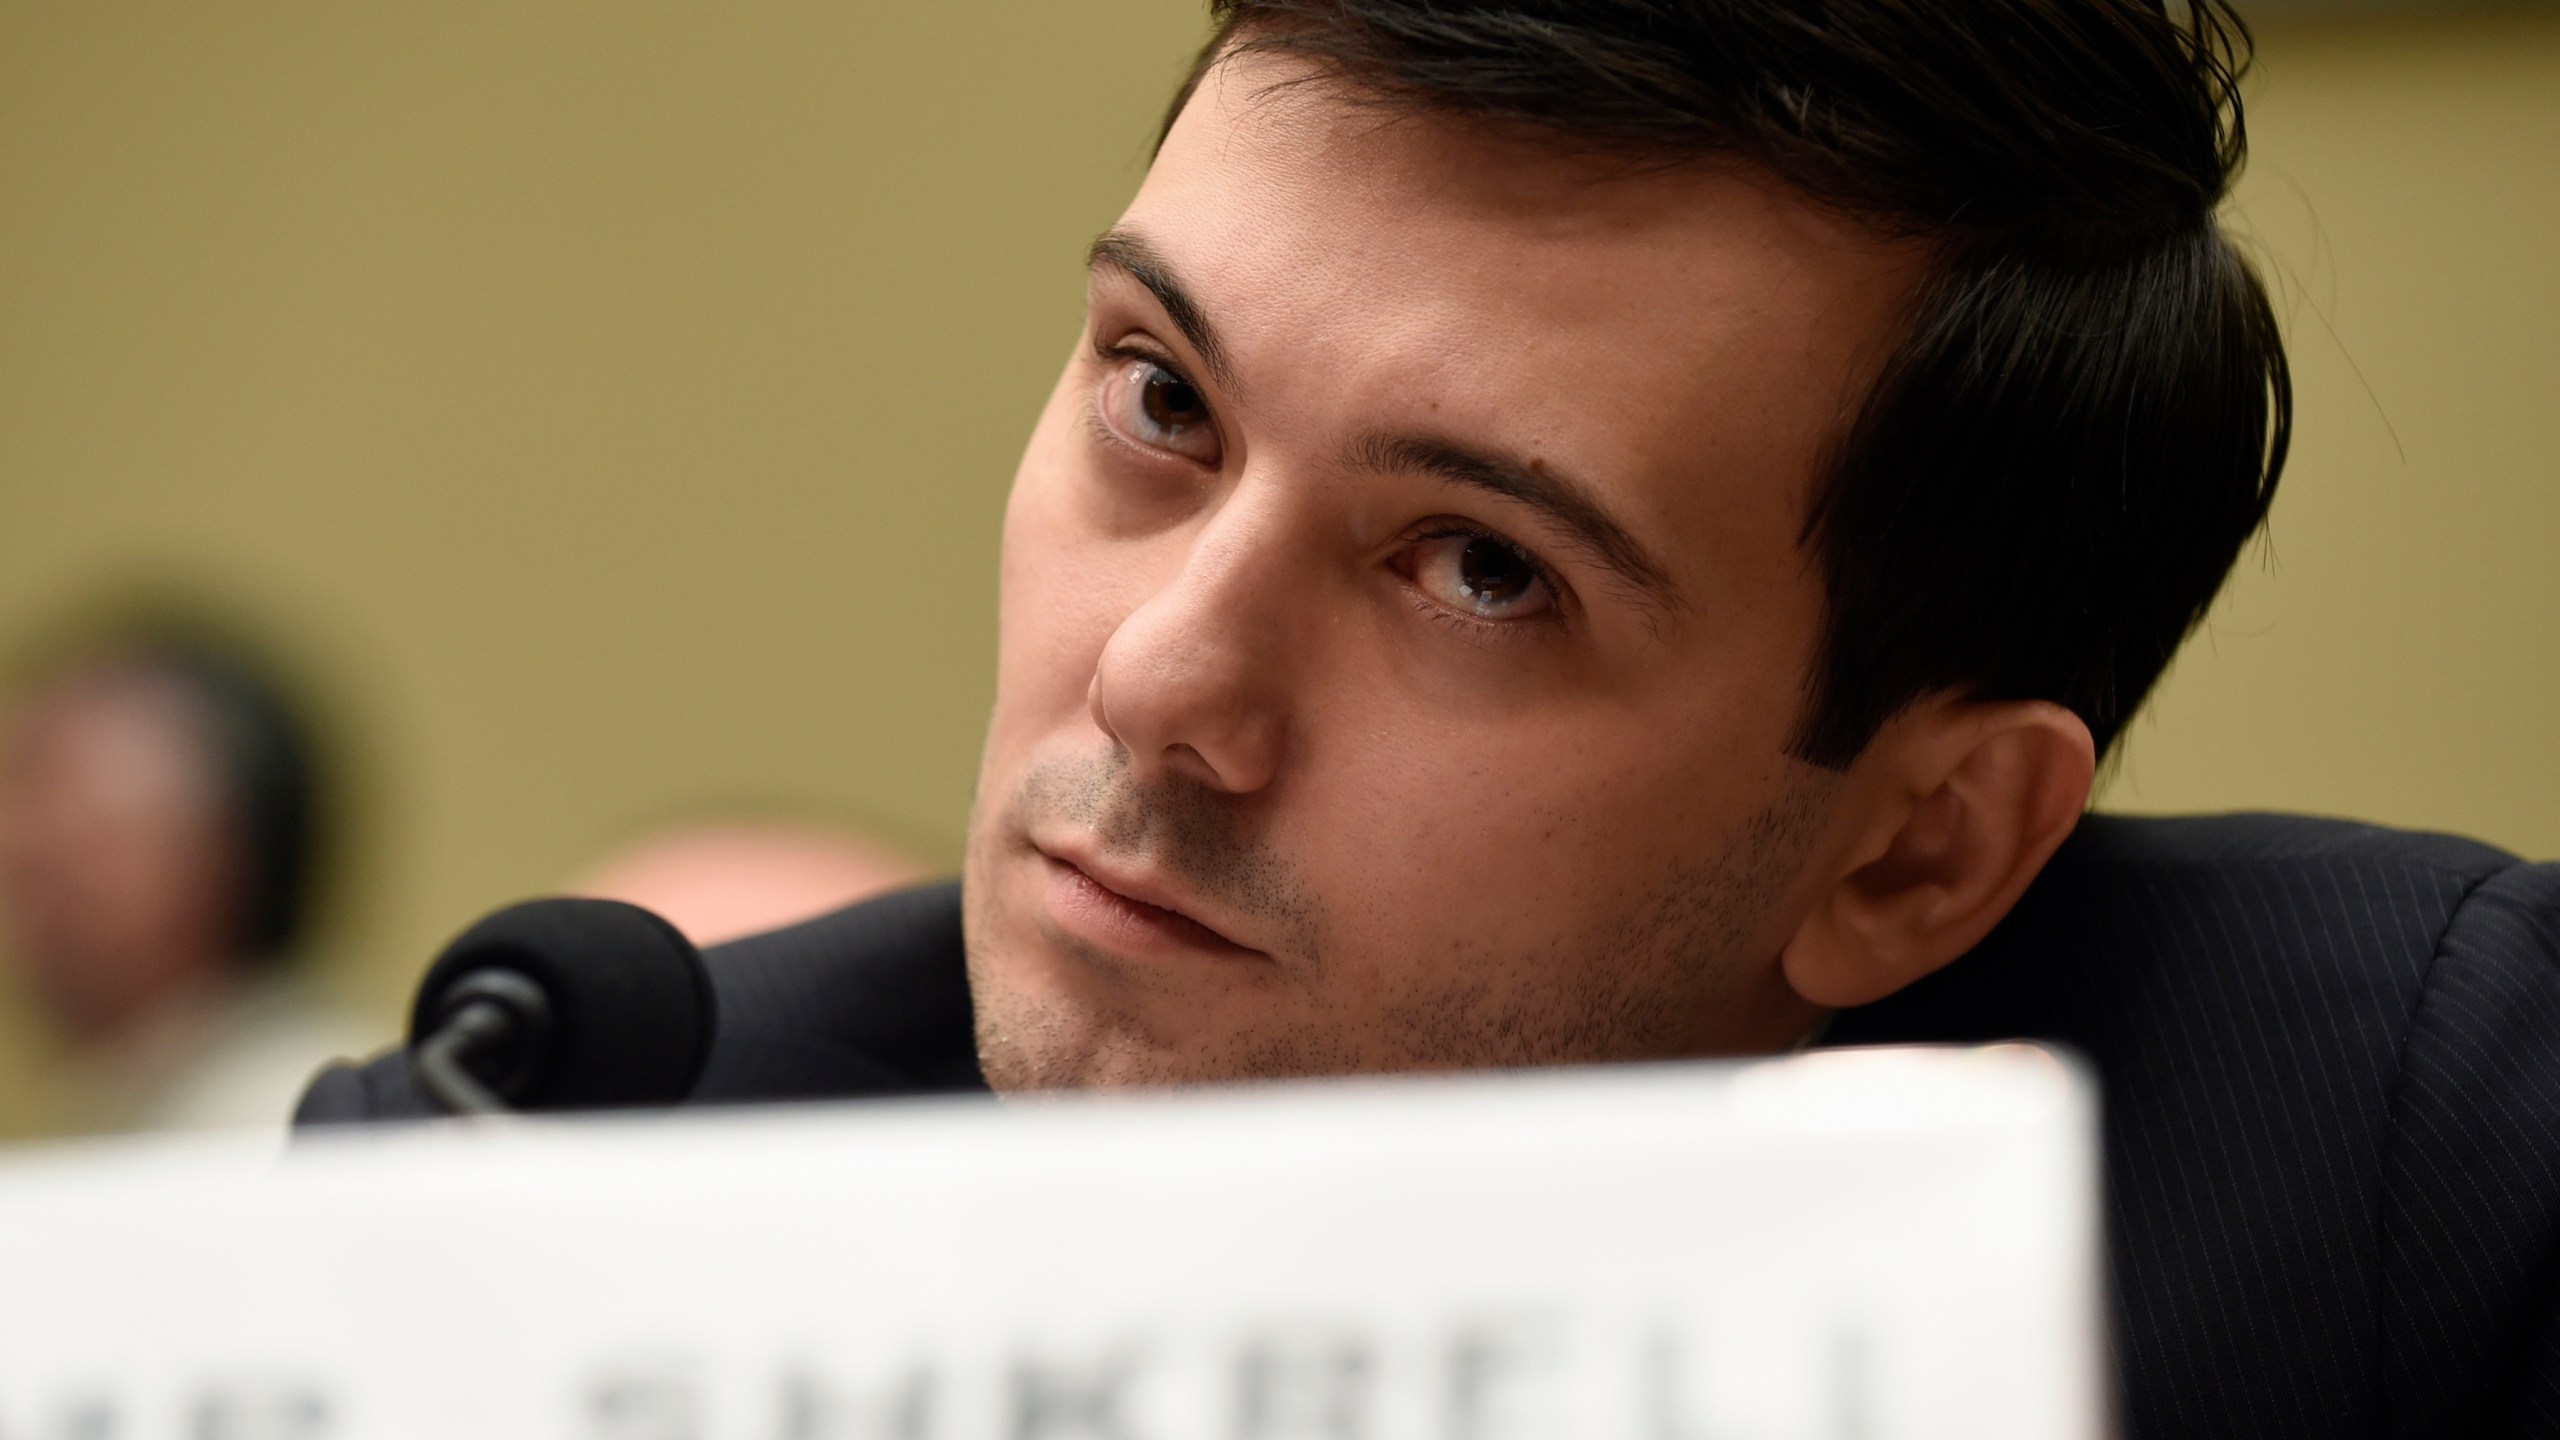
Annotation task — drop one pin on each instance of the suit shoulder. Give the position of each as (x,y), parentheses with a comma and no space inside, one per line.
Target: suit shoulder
(2471,1176)
(870,999)
(2245,987)
(2261,840)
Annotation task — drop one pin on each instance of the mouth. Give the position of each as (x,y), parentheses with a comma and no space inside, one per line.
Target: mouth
(1126,912)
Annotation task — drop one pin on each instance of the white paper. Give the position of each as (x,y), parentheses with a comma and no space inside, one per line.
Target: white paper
(1874,1244)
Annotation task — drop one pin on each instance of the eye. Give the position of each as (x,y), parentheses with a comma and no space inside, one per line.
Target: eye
(1478,575)
(1148,403)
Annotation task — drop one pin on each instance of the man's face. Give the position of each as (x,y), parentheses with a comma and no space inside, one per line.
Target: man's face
(1403,621)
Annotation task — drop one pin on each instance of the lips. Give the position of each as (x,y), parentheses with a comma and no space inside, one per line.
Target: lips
(1125,910)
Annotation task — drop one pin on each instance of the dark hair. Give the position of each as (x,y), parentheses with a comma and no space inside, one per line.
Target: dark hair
(264,753)
(2087,407)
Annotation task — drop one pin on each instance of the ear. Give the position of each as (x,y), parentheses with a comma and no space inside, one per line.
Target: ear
(1960,804)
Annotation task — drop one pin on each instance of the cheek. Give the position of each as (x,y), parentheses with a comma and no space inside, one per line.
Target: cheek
(1525,838)
(1064,585)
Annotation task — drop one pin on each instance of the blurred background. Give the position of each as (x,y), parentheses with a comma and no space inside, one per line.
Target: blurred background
(591,425)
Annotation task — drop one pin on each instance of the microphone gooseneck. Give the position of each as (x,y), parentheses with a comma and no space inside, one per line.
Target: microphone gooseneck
(492,1020)
(562,1005)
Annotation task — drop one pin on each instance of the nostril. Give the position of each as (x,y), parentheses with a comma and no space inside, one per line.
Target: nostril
(1185,759)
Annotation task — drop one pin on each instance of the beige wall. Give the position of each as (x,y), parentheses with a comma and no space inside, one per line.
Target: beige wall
(613,404)
(2395,652)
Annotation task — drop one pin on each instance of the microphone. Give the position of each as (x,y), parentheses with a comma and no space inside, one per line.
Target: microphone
(562,1005)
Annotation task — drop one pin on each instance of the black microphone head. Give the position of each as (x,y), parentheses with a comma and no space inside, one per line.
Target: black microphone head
(629,1008)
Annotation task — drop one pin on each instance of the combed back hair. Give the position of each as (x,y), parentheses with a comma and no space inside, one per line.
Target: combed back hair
(2086,407)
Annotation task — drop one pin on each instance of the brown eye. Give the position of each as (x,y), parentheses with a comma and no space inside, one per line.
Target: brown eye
(1479,575)
(1171,403)
(1153,406)
(1492,575)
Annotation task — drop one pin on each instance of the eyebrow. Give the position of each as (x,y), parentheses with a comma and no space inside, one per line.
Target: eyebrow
(1131,255)
(1561,498)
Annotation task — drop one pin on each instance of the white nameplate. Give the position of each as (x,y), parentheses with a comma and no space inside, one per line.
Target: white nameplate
(1848,1246)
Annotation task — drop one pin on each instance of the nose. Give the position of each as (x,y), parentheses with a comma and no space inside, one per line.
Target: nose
(1190,684)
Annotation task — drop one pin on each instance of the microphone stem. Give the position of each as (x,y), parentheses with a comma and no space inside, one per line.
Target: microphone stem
(438,1066)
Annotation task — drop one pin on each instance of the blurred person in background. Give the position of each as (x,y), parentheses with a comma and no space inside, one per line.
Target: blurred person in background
(159,827)
(717,880)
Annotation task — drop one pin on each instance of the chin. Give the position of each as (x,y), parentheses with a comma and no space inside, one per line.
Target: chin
(1043,1025)
(1037,1028)
(1052,1043)
(1051,1019)
(1053,1048)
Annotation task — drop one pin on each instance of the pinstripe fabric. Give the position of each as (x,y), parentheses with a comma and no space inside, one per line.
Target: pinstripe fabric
(2474,1164)
(2331,1060)
(791,1026)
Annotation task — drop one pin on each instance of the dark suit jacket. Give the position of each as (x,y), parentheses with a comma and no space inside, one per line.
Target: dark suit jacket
(2331,1066)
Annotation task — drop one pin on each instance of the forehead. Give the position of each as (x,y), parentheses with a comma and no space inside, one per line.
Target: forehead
(1687,337)
(108,724)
